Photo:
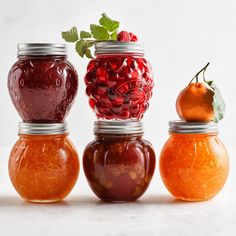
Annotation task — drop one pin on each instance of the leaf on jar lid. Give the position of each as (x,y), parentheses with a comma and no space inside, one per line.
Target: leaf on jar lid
(109,24)
(71,35)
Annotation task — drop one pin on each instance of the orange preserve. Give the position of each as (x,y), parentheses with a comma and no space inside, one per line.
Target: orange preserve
(43,164)
(194,163)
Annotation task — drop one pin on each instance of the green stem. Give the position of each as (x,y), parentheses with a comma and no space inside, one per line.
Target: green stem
(199,72)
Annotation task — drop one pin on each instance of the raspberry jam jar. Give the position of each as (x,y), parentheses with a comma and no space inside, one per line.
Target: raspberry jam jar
(119,81)
(42,83)
(43,164)
(119,163)
(194,163)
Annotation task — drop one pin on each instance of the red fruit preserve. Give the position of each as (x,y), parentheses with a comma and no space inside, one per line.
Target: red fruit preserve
(42,83)
(119,81)
(119,163)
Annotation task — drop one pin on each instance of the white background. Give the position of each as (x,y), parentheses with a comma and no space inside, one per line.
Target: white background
(180,37)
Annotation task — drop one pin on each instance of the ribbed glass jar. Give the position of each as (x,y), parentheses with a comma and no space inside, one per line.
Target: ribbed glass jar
(119,163)
(42,83)
(119,81)
(194,163)
(43,164)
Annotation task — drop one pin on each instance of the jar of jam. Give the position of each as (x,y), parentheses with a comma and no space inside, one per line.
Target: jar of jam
(42,83)
(119,163)
(119,81)
(43,164)
(194,163)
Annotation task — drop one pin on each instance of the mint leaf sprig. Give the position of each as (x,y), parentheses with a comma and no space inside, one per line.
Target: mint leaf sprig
(105,31)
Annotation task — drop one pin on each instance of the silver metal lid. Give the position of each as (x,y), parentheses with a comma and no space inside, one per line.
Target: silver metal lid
(118,127)
(183,127)
(43,128)
(41,49)
(117,47)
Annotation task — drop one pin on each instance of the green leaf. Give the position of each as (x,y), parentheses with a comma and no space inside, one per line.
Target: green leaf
(82,47)
(85,34)
(71,35)
(218,102)
(113,36)
(109,24)
(99,32)
(88,53)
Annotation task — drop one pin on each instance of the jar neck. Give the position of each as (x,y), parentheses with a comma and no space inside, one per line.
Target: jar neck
(46,57)
(42,137)
(116,54)
(193,134)
(117,137)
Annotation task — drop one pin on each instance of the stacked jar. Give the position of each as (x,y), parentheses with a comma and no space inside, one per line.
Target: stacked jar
(194,163)
(43,164)
(119,163)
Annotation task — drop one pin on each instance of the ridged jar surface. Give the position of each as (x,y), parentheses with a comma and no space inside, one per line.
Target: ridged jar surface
(194,167)
(43,168)
(119,169)
(119,87)
(43,89)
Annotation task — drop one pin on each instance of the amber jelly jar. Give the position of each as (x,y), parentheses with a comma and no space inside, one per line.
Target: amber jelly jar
(194,163)
(119,163)
(43,164)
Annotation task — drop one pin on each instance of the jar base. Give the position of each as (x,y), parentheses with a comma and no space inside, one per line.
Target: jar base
(43,201)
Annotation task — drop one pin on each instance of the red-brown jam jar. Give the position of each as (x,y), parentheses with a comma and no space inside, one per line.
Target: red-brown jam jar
(119,81)
(43,164)
(119,163)
(42,83)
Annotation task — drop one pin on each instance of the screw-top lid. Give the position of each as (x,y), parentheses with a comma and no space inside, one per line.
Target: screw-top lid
(41,49)
(118,127)
(179,126)
(43,128)
(111,47)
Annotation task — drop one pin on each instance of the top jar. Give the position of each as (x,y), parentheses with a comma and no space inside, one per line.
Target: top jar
(42,83)
(119,81)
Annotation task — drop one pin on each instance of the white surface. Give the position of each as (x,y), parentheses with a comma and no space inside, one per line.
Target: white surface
(156,213)
(179,37)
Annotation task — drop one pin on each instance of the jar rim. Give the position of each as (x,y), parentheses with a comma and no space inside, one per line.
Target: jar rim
(41,49)
(43,128)
(183,127)
(118,127)
(118,47)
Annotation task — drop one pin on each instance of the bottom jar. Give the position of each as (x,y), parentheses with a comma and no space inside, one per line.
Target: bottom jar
(43,164)
(119,163)
(194,163)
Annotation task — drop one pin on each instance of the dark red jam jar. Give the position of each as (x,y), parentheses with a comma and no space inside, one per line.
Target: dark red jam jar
(119,81)
(42,83)
(119,163)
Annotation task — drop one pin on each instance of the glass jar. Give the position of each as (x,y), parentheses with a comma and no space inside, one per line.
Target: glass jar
(119,81)
(194,163)
(43,164)
(42,83)
(119,163)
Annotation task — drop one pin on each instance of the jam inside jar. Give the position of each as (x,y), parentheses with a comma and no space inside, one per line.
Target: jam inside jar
(194,163)
(43,164)
(119,163)
(119,81)
(42,83)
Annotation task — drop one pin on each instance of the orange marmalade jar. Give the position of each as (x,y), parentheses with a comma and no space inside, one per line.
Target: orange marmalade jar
(43,164)
(194,163)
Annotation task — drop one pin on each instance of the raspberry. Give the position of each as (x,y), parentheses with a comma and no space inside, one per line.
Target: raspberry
(133,37)
(124,36)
